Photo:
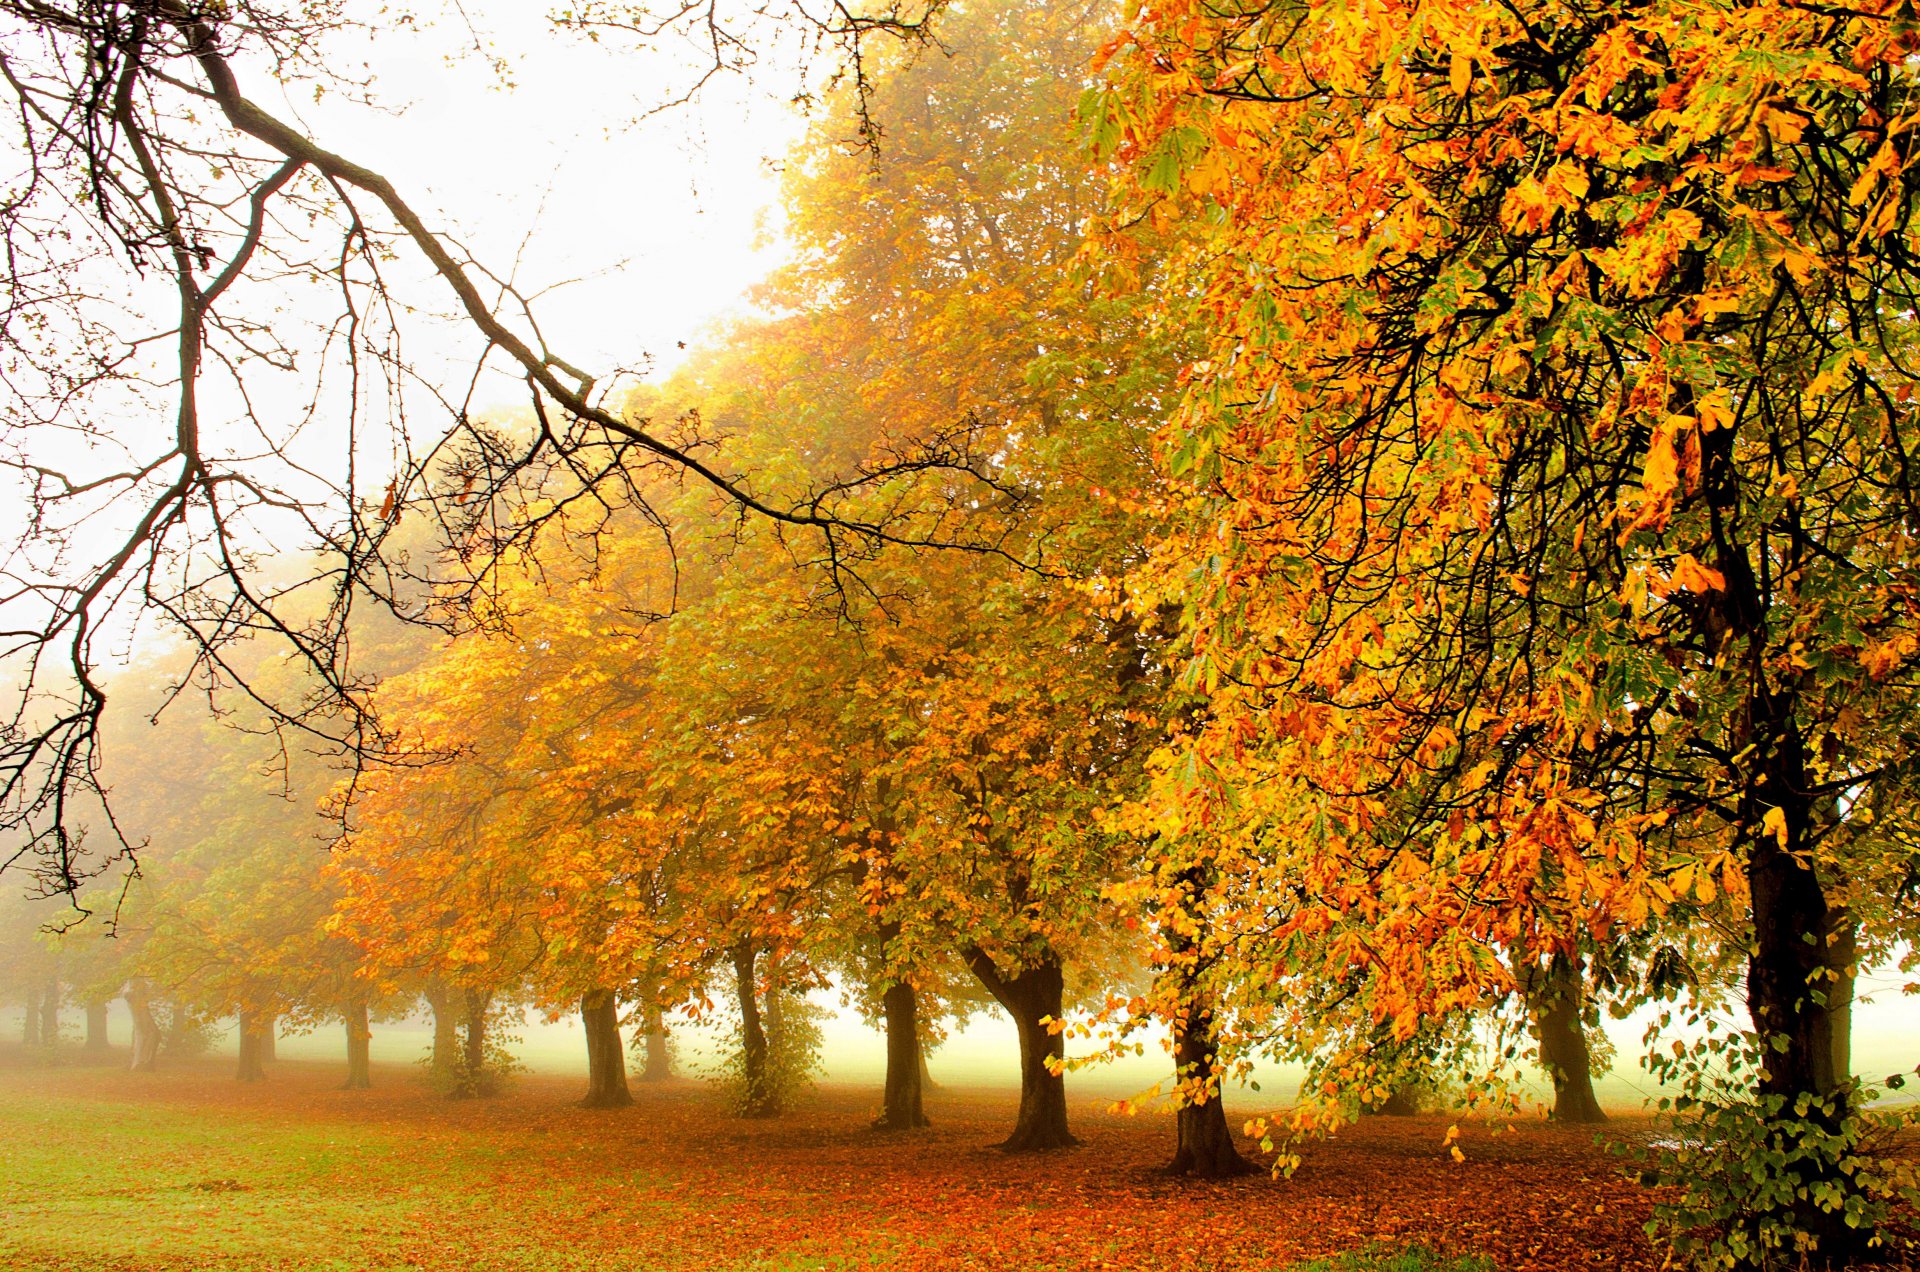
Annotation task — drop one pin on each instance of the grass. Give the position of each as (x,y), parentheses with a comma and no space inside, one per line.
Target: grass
(187,1171)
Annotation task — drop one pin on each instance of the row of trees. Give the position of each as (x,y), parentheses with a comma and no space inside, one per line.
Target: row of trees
(1434,561)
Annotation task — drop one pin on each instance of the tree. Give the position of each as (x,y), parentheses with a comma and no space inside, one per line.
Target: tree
(1552,562)
(150,180)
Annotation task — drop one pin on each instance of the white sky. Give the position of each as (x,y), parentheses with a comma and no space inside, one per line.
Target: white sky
(658,217)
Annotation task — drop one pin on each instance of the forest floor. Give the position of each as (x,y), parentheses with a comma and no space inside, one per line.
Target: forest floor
(111,1171)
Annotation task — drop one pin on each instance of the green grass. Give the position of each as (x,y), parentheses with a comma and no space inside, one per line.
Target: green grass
(95,1184)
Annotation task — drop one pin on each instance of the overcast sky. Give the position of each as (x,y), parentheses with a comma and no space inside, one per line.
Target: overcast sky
(657,215)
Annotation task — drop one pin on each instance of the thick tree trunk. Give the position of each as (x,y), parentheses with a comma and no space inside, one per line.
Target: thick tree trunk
(1793,973)
(901,1104)
(446,1037)
(1031,996)
(758,1099)
(659,1062)
(1556,996)
(30,1018)
(97,1027)
(606,1057)
(1203,1143)
(250,1068)
(1843,936)
(1789,976)
(146,1030)
(473,1080)
(359,1040)
(50,1012)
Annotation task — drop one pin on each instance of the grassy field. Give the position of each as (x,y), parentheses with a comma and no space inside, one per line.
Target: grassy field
(106,1170)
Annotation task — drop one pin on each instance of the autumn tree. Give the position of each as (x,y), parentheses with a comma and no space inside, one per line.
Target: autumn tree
(157,201)
(1553,555)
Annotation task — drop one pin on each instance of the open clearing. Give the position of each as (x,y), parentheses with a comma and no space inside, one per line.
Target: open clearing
(186,1169)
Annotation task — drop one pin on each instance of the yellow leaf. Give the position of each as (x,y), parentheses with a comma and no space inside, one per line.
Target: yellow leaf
(1689,575)
(1775,824)
(1460,74)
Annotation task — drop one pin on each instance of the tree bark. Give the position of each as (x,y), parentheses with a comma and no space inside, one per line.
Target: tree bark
(30,1018)
(1556,995)
(606,1056)
(146,1030)
(250,1068)
(1790,976)
(758,1099)
(1032,995)
(659,1063)
(269,1036)
(1791,970)
(473,1080)
(926,1074)
(1843,936)
(1203,1142)
(97,1027)
(446,1041)
(50,1012)
(901,1104)
(359,1040)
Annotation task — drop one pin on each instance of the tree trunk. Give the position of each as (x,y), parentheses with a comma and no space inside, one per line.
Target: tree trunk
(1791,978)
(50,1012)
(1402,1101)
(758,1099)
(659,1064)
(1031,996)
(1789,974)
(473,1080)
(146,1030)
(269,1035)
(359,1040)
(606,1057)
(173,1037)
(1203,1144)
(446,1043)
(97,1027)
(250,1069)
(1556,995)
(30,1018)
(1843,949)
(926,1075)
(901,1104)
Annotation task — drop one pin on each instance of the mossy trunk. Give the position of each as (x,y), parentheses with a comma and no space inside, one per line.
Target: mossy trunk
(359,1044)
(901,1102)
(757,1097)
(250,1067)
(97,1040)
(1557,998)
(1031,996)
(146,1030)
(606,1056)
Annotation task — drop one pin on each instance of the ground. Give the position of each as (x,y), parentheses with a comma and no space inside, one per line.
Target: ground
(111,1171)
